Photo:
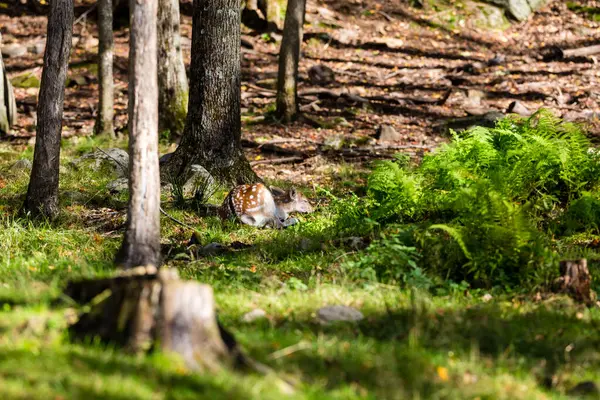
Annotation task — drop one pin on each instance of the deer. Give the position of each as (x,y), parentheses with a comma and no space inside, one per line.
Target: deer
(259,206)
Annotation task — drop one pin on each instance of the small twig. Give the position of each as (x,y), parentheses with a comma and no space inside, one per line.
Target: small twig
(386,16)
(85,14)
(302,345)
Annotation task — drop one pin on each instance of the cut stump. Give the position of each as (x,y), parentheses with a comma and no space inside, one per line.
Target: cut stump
(575,280)
(144,309)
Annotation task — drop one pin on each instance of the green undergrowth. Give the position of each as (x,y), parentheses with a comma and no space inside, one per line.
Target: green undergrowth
(431,330)
(492,208)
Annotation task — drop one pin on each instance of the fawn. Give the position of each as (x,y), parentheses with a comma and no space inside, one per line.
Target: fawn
(258,206)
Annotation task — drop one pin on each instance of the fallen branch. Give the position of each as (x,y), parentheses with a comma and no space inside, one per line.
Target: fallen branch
(556,53)
(274,161)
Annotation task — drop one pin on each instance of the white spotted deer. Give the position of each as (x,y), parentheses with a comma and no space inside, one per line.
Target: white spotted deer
(258,206)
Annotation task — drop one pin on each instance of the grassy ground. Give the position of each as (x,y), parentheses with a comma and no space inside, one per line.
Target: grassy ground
(459,344)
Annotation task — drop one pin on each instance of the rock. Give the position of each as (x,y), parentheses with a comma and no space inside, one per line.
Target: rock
(212,249)
(22,166)
(387,133)
(335,142)
(586,388)
(200,179)
(114,160)
(321,75)
(337,313)
(519,9)
(118,186)
(25,81)
(37,48)
(253,315)
(13,50)
(164,158)
(486,297)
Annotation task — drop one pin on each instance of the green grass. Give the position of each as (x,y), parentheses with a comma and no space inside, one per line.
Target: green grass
(448,344)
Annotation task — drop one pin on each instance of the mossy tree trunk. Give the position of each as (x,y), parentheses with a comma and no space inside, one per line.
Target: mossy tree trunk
(42,193)
(104,120)
(212,134)
(172,80)
(289,57)
(141,244)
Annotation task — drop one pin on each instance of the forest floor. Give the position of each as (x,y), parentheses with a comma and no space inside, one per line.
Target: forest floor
(456,344)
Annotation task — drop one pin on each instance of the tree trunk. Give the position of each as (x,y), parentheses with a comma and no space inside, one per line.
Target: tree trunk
(104,121)
(142,309)
(42,194)
(213,126)
(8,105)
(289,56)
(172,80)
(141,244)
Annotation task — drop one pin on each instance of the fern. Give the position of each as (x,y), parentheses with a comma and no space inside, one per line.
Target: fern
(496,193)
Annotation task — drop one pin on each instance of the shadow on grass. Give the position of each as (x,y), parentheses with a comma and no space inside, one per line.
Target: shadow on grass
(399,350)
(88,373)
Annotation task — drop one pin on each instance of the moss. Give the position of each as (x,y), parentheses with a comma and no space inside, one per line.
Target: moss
(25,81)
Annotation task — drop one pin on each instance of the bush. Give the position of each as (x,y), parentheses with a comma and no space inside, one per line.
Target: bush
(481,208)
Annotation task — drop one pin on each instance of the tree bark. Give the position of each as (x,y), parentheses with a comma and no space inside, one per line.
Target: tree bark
(42,194)
(212,131)
(172,80)
(141,244)
(289,57)
(104,120)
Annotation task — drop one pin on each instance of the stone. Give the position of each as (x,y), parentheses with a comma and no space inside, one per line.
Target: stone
(387,133)
(13,50)
(335,142)
(37,48)
(164,158)
(254,315)
(212,249)
(338,313)
(199,179)
(115,160)
(118,186)
(519,9)
(25,81)
(22,166)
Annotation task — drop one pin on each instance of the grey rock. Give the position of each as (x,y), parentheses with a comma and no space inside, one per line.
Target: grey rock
(335,142)
(387,133)
(164,158)
(337,313)
(118,186)
(21,166)
(254,315)
(13,50)
(199,179)
(115,160)
(37,48)
(212,249)
(519,9)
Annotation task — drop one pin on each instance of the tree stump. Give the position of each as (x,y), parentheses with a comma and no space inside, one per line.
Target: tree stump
(143,309)
(575,280)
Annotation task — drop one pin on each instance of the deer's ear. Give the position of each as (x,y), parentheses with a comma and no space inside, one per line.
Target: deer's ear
(277,191)
(293,193)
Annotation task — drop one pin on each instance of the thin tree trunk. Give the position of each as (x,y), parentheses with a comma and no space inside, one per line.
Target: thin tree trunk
(141,244)
(42,194)
(104,121)
(212,135)
(172,80)
(289,57)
